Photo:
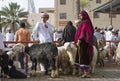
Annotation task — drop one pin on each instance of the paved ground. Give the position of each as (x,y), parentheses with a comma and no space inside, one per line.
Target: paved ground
(111,72)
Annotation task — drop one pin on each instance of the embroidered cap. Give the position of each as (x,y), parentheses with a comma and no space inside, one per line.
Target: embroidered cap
(45,15)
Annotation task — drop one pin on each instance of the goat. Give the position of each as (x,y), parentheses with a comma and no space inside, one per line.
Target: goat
(66,58)
(44,53)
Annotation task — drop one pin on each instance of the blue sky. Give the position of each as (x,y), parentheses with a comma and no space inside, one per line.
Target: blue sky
(23,3)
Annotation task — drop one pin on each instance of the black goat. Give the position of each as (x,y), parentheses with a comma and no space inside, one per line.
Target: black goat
(4,61)
(43,53)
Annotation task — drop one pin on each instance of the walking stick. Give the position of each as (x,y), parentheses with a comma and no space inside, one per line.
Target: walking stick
(78,52)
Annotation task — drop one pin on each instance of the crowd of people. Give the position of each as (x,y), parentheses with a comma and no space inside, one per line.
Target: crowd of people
(107,33)
(82,34)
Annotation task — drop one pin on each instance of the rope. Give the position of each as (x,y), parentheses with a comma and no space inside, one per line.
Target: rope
(78,43)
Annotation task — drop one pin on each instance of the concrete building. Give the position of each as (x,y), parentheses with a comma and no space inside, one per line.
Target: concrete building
(65,10)
(102,19)
(33,18)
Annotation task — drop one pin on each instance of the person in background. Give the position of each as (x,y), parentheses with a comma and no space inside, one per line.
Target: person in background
(97,33)
(109,34)
(95,29)
(102,37)
(9,35)
(22,35)
(43,32)
(117,34)
(118,31)
(105,31)
(57,36)
(84,41)
(2,47)
(77,23)
(68,32)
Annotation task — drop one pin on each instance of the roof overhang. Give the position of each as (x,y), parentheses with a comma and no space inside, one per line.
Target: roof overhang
(105,8)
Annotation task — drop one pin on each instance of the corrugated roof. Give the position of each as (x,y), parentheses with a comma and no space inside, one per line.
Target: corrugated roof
(105,8)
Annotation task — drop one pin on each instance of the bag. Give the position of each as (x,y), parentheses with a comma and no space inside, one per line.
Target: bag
(13,73)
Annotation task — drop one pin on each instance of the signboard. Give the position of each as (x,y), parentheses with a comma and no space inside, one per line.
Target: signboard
(62,23)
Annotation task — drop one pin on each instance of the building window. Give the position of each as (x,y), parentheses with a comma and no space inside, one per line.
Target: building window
(63,16)
(62,2)
(96,15)
(98,1)
(50,11)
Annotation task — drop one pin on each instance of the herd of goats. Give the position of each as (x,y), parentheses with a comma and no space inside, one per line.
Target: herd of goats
(58,59)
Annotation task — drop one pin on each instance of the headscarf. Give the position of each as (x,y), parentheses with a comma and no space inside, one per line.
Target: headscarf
(86,19)
(85,31)
(69,24)
(69,32)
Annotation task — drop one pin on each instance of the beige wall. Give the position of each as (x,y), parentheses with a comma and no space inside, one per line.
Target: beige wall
(33,18)
(69,8)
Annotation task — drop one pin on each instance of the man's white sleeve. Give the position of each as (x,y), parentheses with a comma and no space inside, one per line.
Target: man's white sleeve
(35,32)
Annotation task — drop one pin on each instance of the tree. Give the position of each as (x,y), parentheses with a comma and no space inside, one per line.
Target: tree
(83,3)
(78,7)
(12,15)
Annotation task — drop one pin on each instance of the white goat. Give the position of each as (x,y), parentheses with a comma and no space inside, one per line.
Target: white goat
(117,59)
(94,59)
(66,57)
(110,52)
(102,52)
(15,50)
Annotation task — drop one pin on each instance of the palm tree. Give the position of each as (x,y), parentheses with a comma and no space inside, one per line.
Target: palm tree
(12,15)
